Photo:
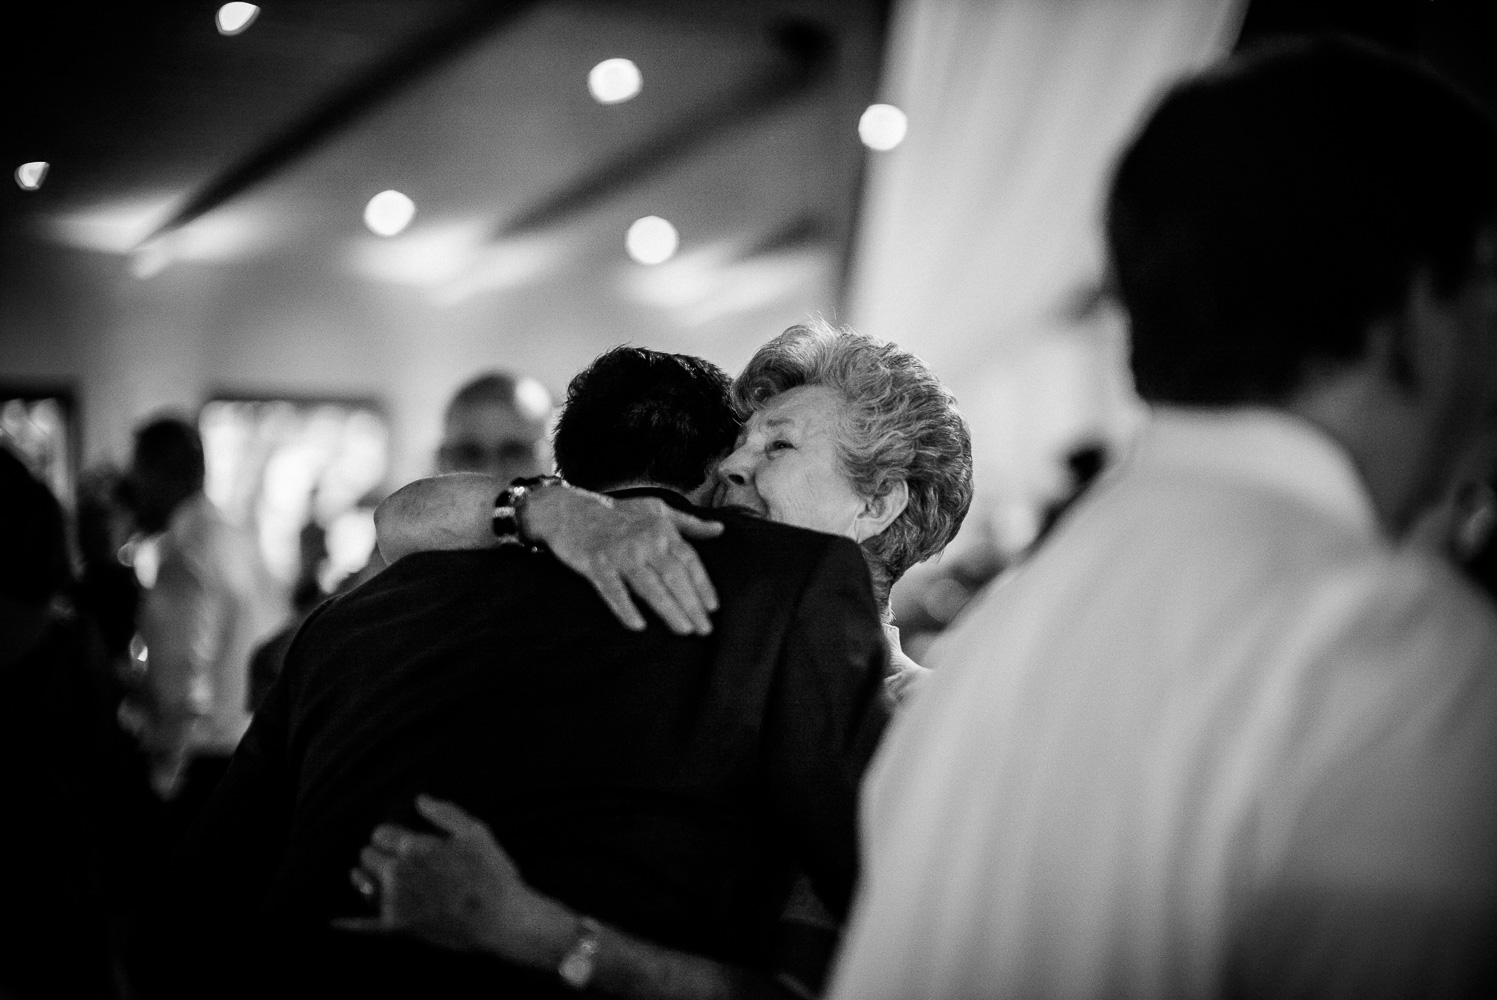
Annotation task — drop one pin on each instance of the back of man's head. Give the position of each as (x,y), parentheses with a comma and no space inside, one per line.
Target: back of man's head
(169,447)
(636,416)
(166,468)
(1272,209)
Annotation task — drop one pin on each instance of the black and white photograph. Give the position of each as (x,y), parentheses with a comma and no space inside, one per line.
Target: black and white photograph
(748,499)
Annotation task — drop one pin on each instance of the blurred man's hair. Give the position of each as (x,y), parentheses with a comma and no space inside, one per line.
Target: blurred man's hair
(636,415)
(168,449)
(526,396)
(1270,210)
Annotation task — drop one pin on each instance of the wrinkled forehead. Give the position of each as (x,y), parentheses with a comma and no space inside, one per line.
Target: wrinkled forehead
(810,409)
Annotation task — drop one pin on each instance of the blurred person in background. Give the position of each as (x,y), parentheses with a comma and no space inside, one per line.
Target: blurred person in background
(208,602)
(1224,735)
(54,721)
(496,424)
(107,590)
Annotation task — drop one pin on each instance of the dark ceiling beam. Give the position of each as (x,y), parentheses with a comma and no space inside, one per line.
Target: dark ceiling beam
(362,95)
(803,53)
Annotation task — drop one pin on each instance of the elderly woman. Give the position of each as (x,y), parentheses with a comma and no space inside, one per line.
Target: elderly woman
(843,433)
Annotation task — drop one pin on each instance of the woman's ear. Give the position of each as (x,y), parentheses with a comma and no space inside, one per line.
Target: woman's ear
(880,512)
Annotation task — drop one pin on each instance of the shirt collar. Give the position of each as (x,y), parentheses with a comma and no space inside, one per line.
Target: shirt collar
(1270,448)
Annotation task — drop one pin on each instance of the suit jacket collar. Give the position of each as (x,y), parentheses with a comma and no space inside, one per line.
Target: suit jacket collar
(671,497)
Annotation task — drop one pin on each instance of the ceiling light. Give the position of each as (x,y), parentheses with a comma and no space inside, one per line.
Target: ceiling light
(30,175)
(882,126)
(652,240)
(613,81)
(149,261)
(233,18)
(388,213)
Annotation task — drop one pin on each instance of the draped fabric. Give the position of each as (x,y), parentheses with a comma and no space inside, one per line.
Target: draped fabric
(980,237)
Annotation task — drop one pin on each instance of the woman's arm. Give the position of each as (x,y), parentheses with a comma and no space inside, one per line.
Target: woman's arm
(619,546)
(462,891)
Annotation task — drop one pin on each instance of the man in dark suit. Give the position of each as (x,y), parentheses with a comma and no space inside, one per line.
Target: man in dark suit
(659,787)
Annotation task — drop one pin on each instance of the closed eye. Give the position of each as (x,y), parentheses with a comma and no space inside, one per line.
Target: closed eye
(779,444)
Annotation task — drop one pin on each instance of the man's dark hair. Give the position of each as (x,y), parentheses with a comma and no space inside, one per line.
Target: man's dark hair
(636,415)
(169,450)
(1271,210)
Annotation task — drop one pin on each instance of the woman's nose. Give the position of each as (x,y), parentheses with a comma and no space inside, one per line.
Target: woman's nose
(734,469)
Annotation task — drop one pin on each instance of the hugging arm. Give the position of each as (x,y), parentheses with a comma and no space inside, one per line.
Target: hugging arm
(620,546)
(462,891)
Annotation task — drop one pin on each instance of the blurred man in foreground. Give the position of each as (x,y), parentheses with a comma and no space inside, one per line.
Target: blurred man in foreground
(1223,737)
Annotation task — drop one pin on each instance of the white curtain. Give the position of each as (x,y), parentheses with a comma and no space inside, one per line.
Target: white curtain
(982,230)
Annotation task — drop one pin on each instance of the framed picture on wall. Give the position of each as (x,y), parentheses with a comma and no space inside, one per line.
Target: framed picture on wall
(304,474)
(40,425)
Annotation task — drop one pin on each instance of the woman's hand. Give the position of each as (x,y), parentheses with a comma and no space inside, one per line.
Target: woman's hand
(619,546)
(636,542)
(460,891)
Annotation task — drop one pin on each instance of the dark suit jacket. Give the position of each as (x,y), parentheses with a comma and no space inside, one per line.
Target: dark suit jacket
(667,785)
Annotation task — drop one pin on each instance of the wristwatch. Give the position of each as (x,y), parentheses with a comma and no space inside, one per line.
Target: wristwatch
(576,968)
(506,519)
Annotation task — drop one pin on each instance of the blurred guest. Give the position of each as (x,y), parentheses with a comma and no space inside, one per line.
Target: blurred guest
(108,592)
(306,594)
(652,785)
(52,720)
(1222,737)
(210,602)
(496,424)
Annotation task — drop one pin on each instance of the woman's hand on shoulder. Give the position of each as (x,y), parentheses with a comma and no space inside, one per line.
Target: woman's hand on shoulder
(625,545)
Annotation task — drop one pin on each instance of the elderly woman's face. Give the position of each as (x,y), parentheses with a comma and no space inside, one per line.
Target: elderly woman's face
(786,468)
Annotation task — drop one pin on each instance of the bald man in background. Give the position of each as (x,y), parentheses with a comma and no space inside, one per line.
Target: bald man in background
(496,424)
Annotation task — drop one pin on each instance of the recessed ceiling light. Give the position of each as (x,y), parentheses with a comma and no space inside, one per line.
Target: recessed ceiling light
(30,175)
(613,81)
(233,18)
(882,126)
(388,213)
(652,240)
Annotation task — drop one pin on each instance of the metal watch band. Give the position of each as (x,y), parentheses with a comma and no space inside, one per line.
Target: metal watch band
(505,522)
(576,967)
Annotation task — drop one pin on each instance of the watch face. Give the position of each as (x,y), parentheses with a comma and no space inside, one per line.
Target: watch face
(576,969)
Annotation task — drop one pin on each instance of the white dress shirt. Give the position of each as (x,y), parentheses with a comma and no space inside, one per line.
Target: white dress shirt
(210,604)
(1218,736)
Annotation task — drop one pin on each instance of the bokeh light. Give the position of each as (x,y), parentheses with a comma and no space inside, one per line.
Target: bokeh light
(614,80)
(30,175)
(232,18)
(388,213)
(652,240)
(882,127)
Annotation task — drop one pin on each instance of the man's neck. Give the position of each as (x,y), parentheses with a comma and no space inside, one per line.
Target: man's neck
(1386,434)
